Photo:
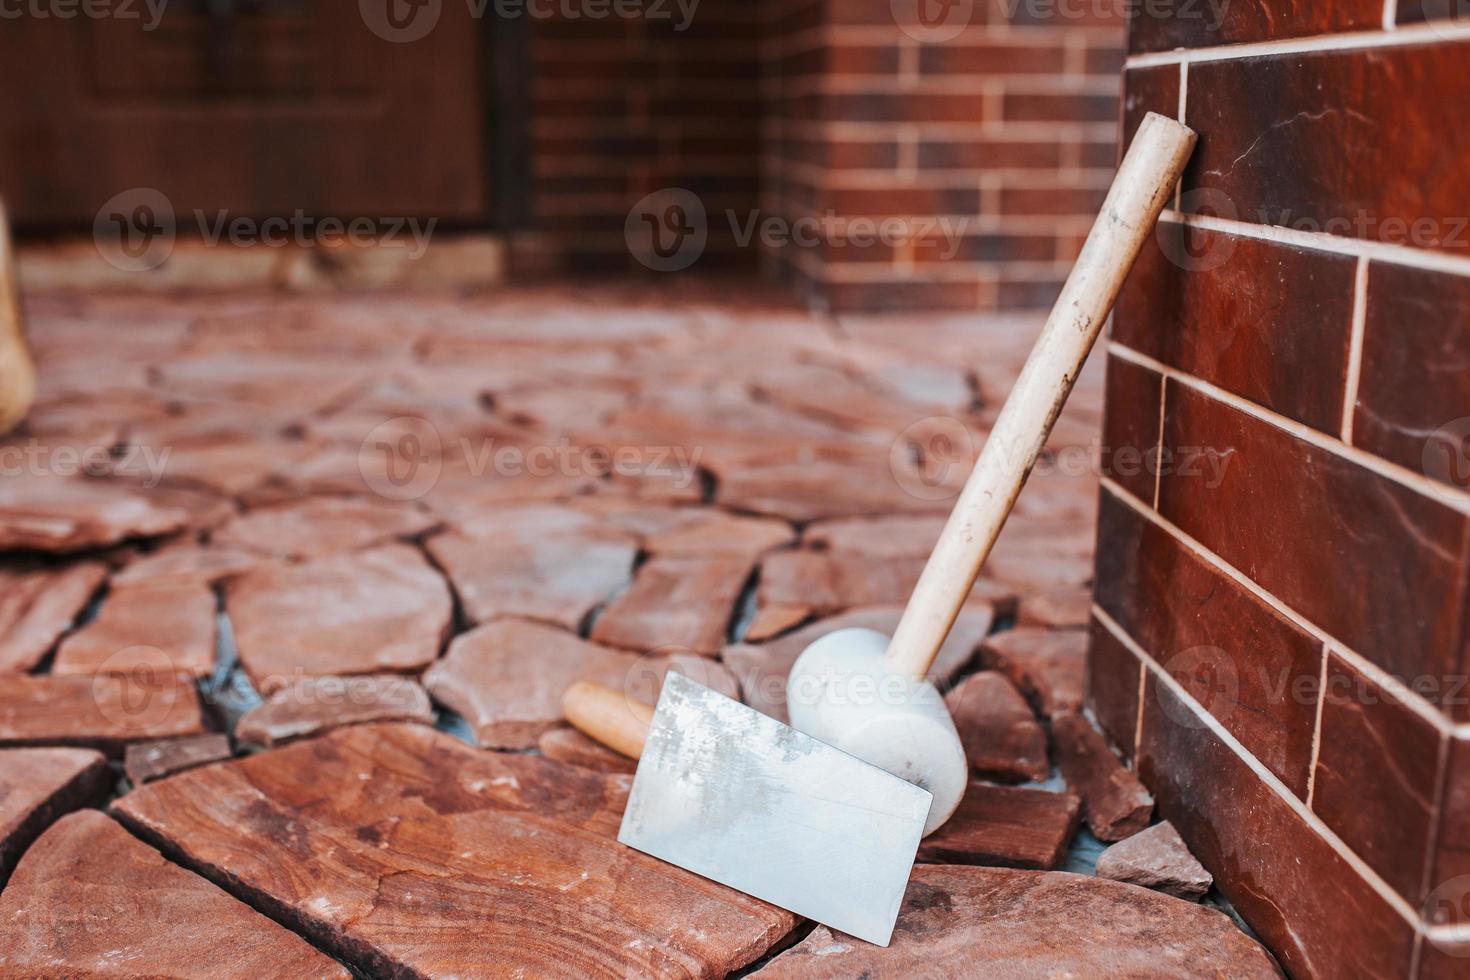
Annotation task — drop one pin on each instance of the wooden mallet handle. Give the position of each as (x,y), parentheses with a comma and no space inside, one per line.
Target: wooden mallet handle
(1144,184)
(17,371)
(609,716)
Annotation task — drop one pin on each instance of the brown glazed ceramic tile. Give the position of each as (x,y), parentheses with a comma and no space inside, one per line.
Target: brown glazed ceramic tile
(1131,427)
(424,856)
(1001,922)
(1196,24)
(1148,90)
(89,899)
(1414,396)
(1448,895)
(1419,11)
(1376,772)
(1273,131)
(37,786)
(1308,905)
(1255,671)
(1279,509)
(1264,321)
(1112,687)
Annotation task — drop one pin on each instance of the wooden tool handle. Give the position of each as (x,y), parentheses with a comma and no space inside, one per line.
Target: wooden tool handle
(1144,183)
(609,716)
(17,371)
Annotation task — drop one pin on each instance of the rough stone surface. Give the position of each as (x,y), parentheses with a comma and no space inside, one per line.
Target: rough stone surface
(359,613)
(1033,925)
(1049,666)
(60,514)
(1066,608)
(1115,803)
(103,711)
(676,602)
(1156,858)
(1006,826)
(90,900)
(762,668)
(161,628)
(572,747)
(39,785)
(420,855)
(38,605)
(557,579)
(313,705)
(821,583)
(1002,738)
(187,563)
(321,526)
(147,761)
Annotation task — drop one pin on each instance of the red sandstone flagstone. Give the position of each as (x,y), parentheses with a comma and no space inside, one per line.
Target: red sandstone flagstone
(102,711)
(762,668)
(826,582)
(999,922)
(1002,738)
(366,612)
(313,705)
(1156,858)
(1115,803)
(321,526)
(37,605)
(1006,826)
(675,602)
(1065,608)
(89,899)
(186,563)
(572,747)
(60,514)
(39,785)
(168,628)
(147,761)
(557,579)
(809,489)
(1049,666)
(403,850)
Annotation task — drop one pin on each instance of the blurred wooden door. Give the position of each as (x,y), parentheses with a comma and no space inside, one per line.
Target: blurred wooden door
(257,107)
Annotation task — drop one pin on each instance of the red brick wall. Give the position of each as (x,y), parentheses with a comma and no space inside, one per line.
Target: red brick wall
(843,121)
(1280,634)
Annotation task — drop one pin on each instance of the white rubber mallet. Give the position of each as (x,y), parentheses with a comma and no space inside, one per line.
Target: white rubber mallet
(863,693)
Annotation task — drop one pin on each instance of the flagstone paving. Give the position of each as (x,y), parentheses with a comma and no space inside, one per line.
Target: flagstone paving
(306,517)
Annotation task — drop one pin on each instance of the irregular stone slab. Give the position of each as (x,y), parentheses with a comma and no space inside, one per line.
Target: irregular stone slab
(1006,826)
(769,622)
(406,852)
(827,582)
(806,488)
(189,563)
(38,605)
(320,526)
(169,629)
(708,531)
(762,668)
(365,612)
(312,705)
(1116,804)
(558,579)
(507,678)
(889,536)
(1066,608)
(39,785)
(572,747)
(999,922)
(1049,666)
(102,711)
(147,761)
(1157,858)
(676,602)
(89,899)
(1002,738)
(62,514)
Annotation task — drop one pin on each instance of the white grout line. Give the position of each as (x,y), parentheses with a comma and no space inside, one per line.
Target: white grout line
(1357,40)
(1138,725)
(1159,457)
(1323,242)
(1355,349)
(1317,727)
(1436,815)
(1440,493)
(1390,15)
(1409,698)
(1393,898)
